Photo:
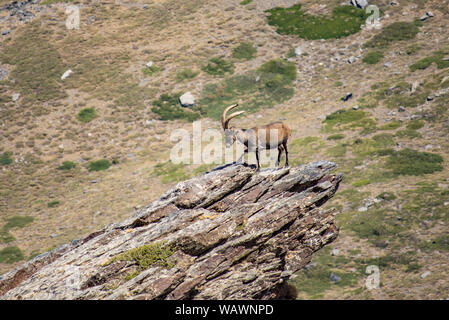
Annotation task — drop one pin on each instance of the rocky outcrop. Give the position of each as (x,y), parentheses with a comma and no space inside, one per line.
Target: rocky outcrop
(232,233)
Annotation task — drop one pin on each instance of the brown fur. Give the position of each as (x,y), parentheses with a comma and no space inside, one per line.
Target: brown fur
(276,136)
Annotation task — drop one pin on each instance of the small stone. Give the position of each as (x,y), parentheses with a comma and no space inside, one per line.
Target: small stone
(149,64)
(335,252)
(335,278)
(66,74)
(352,59)
(430,98)
(3,74)
(401,109)
(363,209)
(187,99)
(430,14)
(387,64)
(347,97)
(424,18)
(93,181)
(5,32)
(53,235)
(298,51)
(355,108)
(446,59)
(425,274)
(15,97)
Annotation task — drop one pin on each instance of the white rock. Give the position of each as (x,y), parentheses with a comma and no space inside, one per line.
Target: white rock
(359,3)
(66,74)
(425,274)
(15,96)
(335,252)
(298,51)
(149,64)
(187,99)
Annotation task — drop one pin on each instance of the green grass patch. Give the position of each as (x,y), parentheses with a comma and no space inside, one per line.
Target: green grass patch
(13,222)
(244,51)
(373,57)
(245,2)
(268,85)
(387,196)
(11,255)
(170,172)
(17,222)
(168,108)
(67,165)
(99,165)
(437,58)
(439,243)
(38,66)
(397,31)
(415,125)
(349,119)
(314,281)
(337,136)
(149,71)
(186,74)
(87,115)
(369,147)
(414,163)
(218,67)
(53,204)
(392,125)
(302,149)
(344,21)
(5,159)
(147,256)
(361,183)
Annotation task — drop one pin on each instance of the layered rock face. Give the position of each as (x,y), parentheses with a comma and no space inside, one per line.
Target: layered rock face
(232,233)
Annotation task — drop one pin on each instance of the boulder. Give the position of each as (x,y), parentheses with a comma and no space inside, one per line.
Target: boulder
(187,100)
(232,233)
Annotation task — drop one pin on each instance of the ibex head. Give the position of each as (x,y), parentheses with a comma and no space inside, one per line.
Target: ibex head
(229,132)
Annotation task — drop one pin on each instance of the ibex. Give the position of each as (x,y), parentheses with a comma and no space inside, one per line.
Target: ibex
(270,136)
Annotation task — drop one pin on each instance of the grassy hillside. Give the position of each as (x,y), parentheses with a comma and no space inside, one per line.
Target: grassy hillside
(79,153)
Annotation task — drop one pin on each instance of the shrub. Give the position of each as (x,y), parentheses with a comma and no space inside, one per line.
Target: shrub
(170,172)
(218,67)
(415,163)
(53,204)
(5,159)
(87,114)
(387,196)
(337,136)
(168,108)
(148,255)
(99,165)
(149,71)
(437,58)
(244,51)
(186,74)
(373,57)
(392,125)
(67,165)
(397,31)
(344,21)
(11,255)
(415,125)
(18,222)
(269,84)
